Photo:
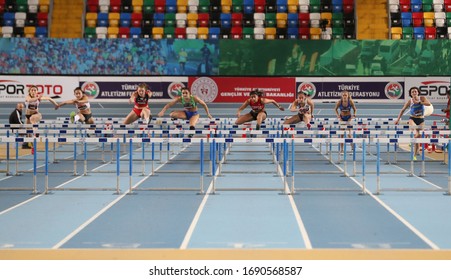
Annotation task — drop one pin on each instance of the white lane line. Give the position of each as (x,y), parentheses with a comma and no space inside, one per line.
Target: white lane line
(390,210)
(111,204)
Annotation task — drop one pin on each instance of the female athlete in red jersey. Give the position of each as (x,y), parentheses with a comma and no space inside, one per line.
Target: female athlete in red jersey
(258,112)
(141,109)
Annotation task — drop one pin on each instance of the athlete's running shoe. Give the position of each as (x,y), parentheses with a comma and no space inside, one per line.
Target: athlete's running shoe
(72,116)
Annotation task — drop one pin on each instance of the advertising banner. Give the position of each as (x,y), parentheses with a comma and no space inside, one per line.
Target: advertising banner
(119,89)
(434,88)
(15,88)
(237,89)
(362,89)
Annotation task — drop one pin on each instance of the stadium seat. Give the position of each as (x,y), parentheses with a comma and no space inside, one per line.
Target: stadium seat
(259,6)
(395,19)
(407,32)
(32,6)
(202,33)
(113,19)
(92,6)
(124,32)
(417,19)
(157,33)
(158,19)
(9,19)
(282,6)
(226,20)
(100,32)
(404,5)
(406,19)
(248,7)
(281,20)
(125,19)
(30,31)
(304,20)
(428,19)
(135,32)
(102,19)
(169,32)
(292,20)
(337,19)
(237,6)
(292,33)
(191,19)
(115,6)
(248,20)
(292,6)
(193,6)
(42,19)
(226,6)
(90,32)
(430,32)
(171,6)
(441,32)
(7,31)
(203,20)
(237,19)
(315,33)
(112,32)
(447,4)
(270,19)
(215,6)
(160,7)
(448,19)
(148,6)
(137,6)
(248,32)
(418,32)
(304,33)
(20,18)
(180,33)
(41,32)
(236,32)
(126,6)
(214,32)
(337,33)
(146,31)
(191,33)
(270,33)
(44,7)
(225,33)
(440,19)
(91,19)
(438,5)
(180,19)
(396,33)
(136,19)
(32,19)
(182,6)
(104,7)
(416,5)
(315,19)
(259,33)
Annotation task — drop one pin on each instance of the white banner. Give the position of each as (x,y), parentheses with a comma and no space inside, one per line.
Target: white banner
(15,88)
(434,88)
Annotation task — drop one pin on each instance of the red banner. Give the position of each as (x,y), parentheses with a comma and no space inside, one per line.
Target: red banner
(236,89)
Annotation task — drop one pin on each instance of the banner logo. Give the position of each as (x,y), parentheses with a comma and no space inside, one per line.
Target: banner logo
(91,89)
(393,90)
(205,88)
(308,88)
(175,89)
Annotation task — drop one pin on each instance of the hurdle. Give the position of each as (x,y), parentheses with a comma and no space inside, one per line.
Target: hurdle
(201,170)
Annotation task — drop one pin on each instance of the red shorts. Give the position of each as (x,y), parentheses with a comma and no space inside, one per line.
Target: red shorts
(138,111)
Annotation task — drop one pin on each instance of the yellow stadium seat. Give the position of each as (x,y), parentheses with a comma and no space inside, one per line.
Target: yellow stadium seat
(270,33)
(315,33)
(113,31)
(182,6)
(328,17)
(113,19)
(44,6)
(191,19)
(292,6)
(137,6)
(29,31)
(281,20)
(157,32)
(91,19)
(396,33)
(429,19)
(202,33)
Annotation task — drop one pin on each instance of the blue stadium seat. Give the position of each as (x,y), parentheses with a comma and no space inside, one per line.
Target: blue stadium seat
(9,19)
(248,6)
(213,32)
(125,19)
(281,6)
(41,32)
(226,20)
(158,19)
(292,33)
(292,20)
(418,32)
(406,19)
(135,32)
(102,19)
